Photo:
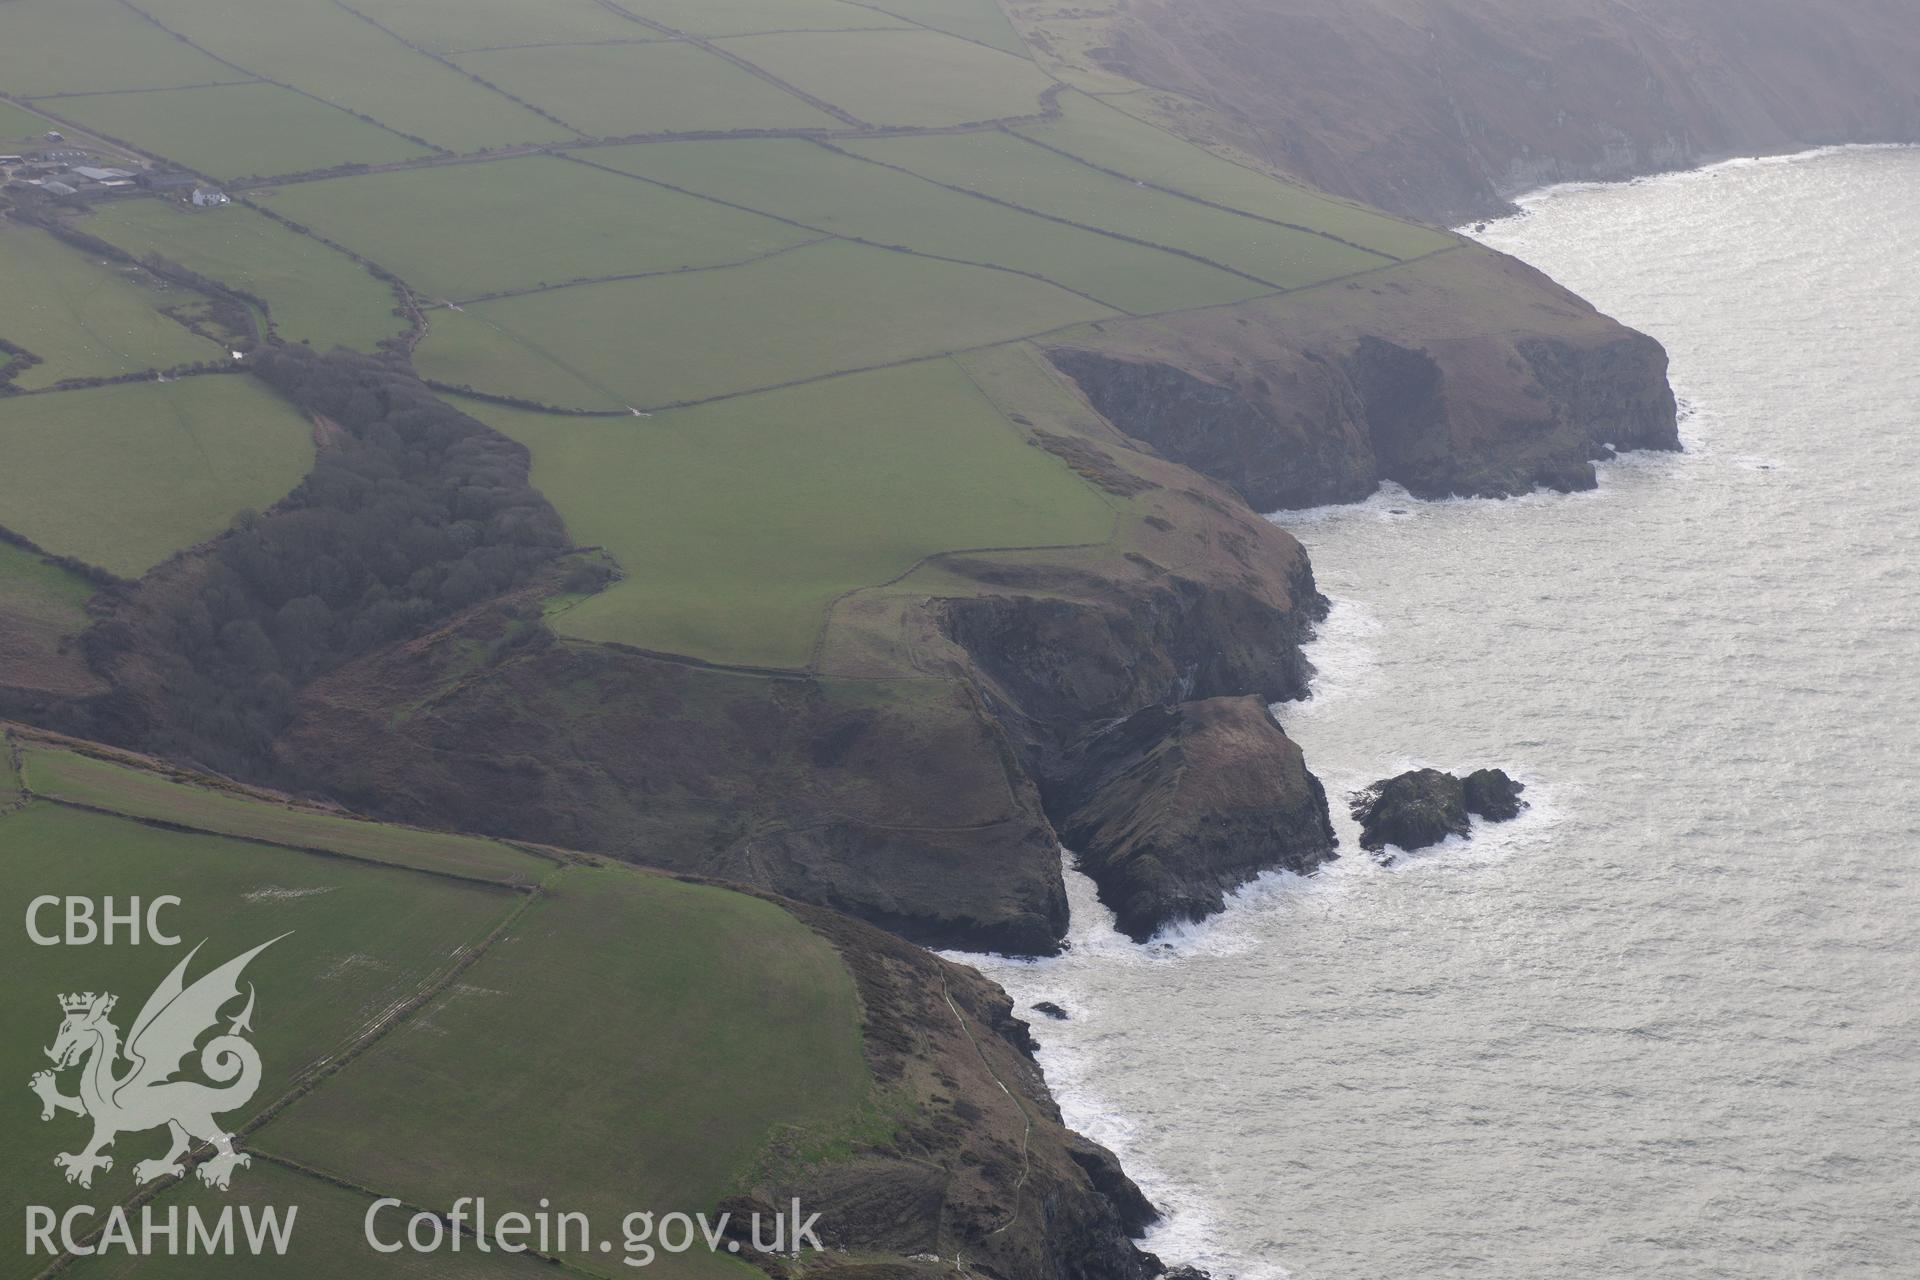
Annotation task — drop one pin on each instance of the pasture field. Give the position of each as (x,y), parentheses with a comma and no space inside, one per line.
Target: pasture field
(86,46)
(678,1027)
(326,51)
(123,476)
(18,125)
(450,26)
(624,90)
(86,318)
(317,295)
(848,196)
(1105,136)
(98,784)
(737,523)
(980,20)
(816,310)
(1008,168)
(923,78)
(468,349)
(237,130)
(328,1232)
(363,939)
(743,17)
(477,229)
(42,607)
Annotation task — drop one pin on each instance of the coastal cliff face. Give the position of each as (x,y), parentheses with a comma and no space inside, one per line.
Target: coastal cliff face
(1467,374)
(960,722)
(1175,806)
(1440,109)
(928,802)
(988,1172)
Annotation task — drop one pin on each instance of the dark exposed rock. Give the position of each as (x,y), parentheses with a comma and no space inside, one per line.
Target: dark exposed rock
(1006,1183)
(1492,795)
(1103,1169)
(1176,806)
(1425,806)
(1060,667)
(1277,455)
(1469,374)
(1416,809)
(1048,1008)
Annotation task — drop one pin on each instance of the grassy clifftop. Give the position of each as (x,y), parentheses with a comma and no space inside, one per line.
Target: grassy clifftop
(448,1016)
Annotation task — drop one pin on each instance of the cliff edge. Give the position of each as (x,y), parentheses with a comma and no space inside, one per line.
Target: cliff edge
(1441,109)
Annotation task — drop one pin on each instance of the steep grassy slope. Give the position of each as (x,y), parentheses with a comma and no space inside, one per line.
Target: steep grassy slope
(611,1040)
(42,611)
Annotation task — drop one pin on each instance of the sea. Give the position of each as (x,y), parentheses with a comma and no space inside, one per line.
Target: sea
(1666,1024)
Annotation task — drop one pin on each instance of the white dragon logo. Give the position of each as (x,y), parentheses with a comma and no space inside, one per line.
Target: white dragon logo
(146,1096)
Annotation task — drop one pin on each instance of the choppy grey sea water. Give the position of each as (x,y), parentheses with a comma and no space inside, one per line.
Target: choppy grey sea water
(1668,1023)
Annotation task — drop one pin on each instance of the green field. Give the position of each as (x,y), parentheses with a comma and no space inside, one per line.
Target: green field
(613,1040)
(18,125)
(980,20)
(623,90)
(848,196)
(238,130)
(123,476)
(86,318)
(363,939)
(329,1230)
(448,26)
(1109,138)
(900,77)
(85,46)
(817,310)
(1008,168)
(316,294)
(475,229)
(742,17)
(737,523)
(97,784)
(678,1026)
(324,50)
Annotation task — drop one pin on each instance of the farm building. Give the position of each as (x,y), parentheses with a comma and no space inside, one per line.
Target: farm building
(55,187)
(92,174)
(210,198)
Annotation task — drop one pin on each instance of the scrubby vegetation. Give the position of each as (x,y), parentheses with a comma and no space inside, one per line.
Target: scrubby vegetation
(412,511)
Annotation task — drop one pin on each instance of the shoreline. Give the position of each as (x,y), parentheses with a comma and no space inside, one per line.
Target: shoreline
(1522,199)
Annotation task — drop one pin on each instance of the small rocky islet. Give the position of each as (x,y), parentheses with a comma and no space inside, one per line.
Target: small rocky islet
(1422,807)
